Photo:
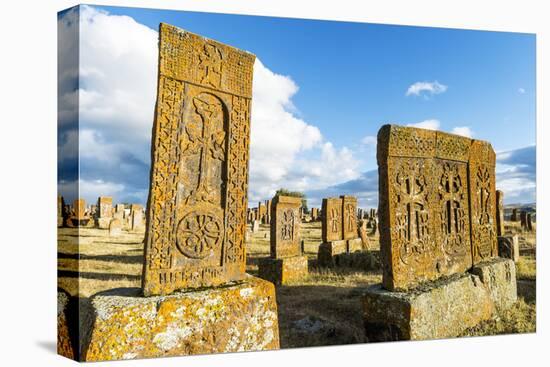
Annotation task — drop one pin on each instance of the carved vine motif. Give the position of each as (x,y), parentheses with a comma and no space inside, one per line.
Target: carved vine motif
(287,225)
(351,225)
(211,65)
(484,233)
(453,217)
(206,138)
(198,234)
(412,219)
(334,220)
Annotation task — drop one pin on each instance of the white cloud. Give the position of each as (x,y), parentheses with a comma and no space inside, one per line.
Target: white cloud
(521,91)
(426,88)
(285,150)
(463,130)
(118,70)
(431,124)
(369,140)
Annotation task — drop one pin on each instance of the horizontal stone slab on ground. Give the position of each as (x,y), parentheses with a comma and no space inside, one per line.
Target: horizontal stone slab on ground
(442,309)
(283,271)
(238,317)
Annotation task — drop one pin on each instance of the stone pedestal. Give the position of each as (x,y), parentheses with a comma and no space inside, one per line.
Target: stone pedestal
(64,345)
(441,309)
(103,223)
(284,270)
(508,247)
(329,252)
(238,317)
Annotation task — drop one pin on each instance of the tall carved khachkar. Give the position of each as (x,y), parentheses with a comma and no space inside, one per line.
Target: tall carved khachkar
(437,212)
(286,262)
(340,233)
(105,211)
(199,176)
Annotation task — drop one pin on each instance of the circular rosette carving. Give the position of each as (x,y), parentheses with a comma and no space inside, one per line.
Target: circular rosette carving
(198,233)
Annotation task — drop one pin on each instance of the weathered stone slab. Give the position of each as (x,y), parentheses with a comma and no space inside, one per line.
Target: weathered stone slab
(60,211)
(283,270)
(499,277)
(354,245)
(500,213)
(508,247)
(349,214)
(199,172)
(237,317)
(64,345)
(105,211)
(285,227)
(436,204)
(328,251)
(443,308)
(115,227)
(483,201)
(255,226)
(331,228)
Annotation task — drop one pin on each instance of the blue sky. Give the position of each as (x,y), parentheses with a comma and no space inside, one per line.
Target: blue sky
(337,82)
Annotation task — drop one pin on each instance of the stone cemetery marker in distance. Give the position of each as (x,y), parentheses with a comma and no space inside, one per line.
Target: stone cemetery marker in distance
(286,262)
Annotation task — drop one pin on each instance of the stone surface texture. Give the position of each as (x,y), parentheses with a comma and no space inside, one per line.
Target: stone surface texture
(436,204)
(508,247)
(284,270)
(331,226)
(64,345)
(349,217)
(199,171)
(285,227)
(233,318)
(499,277)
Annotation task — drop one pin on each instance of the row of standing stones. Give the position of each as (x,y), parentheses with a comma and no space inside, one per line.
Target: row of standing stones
(437,213)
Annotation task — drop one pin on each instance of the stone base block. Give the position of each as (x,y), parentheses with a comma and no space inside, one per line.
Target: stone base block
(103,223)
(283,271)
(499,277)
(354,245)
(328,251)
(442,309)
(508,247)
(334,253)
(238,317)
(64,346)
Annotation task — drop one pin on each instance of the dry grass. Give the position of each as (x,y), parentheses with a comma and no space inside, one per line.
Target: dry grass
(322,309)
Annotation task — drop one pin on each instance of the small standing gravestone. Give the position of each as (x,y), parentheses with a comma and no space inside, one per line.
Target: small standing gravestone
(105,213)
(286,263)
(115,227)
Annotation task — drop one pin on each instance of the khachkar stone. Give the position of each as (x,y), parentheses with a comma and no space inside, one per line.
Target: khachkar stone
(332,220)
(262,212)
(199,177)
(437,222)
(137,221)
(287,262)
(483,212)
(196,218)
(423,205)
(78,216)
(119,212)
(349,213)
(105,211)
(340,233)
(500,213)
(514,217)
(314,214)
(268,211)
(523,219)
(529,222)
(60,211)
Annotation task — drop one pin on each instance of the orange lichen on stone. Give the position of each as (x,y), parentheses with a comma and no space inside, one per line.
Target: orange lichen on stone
(196,212)
(237,317)
(436,204)
(64,346)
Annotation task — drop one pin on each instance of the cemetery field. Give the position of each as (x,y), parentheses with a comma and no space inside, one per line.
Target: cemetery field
(322,309)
